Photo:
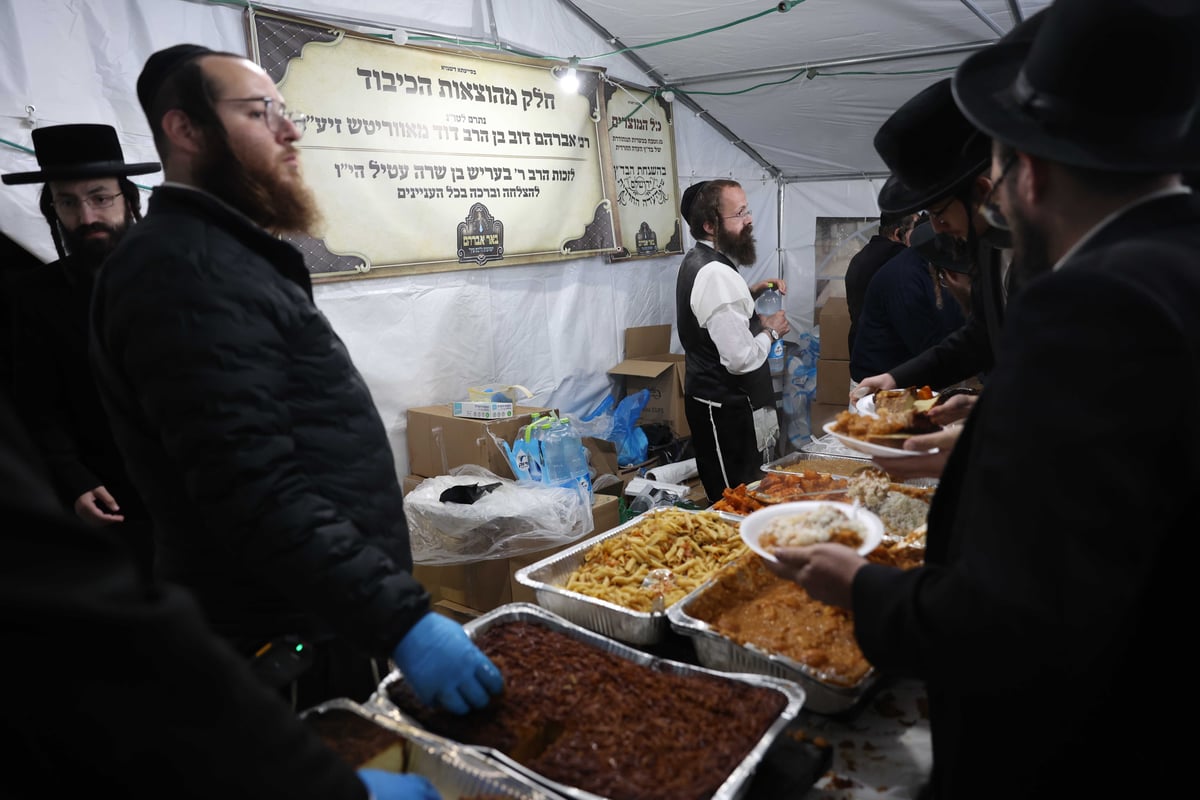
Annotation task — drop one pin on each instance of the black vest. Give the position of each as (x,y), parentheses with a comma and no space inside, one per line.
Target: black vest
(704,376)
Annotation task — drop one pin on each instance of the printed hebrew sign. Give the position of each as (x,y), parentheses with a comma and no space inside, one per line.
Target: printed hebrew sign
(643,156)
(433,159)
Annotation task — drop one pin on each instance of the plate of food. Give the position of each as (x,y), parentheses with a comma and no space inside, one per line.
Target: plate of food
(920,398)
(881,442)
(805,522)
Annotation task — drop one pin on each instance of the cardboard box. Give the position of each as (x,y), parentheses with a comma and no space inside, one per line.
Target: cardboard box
(410,482)
(481,410)
(478,585)
(833,381)
(438,441)
(650,364)
(459,613)
(834,323)
(606,515)
(602,454)
(821,413)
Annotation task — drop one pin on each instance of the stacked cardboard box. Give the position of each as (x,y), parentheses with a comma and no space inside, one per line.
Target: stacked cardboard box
(649,364)
(833,365)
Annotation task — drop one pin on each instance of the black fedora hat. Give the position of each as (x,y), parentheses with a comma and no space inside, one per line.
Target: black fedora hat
(930,148)
(897,200)
(73,152)
(1104,84)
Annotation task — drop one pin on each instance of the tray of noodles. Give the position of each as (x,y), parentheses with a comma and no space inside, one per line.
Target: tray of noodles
(619,583)
(591,718)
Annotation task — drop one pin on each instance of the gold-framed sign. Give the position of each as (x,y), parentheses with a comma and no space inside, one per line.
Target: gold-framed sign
(642,137)
(429,159)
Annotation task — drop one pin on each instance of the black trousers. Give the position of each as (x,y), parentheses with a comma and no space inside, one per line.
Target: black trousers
(727,453)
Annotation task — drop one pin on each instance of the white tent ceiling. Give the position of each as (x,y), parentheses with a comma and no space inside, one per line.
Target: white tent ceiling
(865,58)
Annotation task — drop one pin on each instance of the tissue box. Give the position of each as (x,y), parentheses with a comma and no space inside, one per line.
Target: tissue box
(474,410)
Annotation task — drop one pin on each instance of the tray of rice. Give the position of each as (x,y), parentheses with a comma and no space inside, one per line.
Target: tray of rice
(619,583)
(589,718)
(746,619)
(366,738)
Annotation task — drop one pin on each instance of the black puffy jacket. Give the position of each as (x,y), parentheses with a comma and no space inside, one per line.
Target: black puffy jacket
(252,437)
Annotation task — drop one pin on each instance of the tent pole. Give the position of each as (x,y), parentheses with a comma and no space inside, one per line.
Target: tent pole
(1014,8)
(898,55)
(979,12)
(646,69)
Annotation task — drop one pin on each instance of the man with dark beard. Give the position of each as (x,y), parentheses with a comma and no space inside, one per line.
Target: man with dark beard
(89,204)
(254,439)
(1054,563)
(728,395)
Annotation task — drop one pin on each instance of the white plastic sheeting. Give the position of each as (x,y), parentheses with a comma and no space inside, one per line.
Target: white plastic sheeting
(421,340)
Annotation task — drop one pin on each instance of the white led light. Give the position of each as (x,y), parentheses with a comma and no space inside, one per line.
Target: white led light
(669,96)
(400,36)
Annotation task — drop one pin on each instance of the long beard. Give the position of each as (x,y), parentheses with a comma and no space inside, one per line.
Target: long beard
(739,248)
(93,251)
(258,191)
(1031,248)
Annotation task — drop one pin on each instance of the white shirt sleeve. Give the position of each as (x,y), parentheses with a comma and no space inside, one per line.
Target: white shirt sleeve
(722,303)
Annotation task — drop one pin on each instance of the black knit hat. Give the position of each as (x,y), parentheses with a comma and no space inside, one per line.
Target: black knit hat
(75,152)
(689,199)
(161,65)
(1044,95)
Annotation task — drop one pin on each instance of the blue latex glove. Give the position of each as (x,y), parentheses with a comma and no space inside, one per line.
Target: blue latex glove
(390,786)
(444,667)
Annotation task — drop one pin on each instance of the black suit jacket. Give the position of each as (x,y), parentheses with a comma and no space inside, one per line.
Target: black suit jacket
(54,387)
(1058,582)
(117,688)
(970,351)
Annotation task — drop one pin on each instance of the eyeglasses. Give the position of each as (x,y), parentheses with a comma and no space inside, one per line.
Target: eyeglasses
(988,208)
(274,113)
(72,204)
(745,212)
(940,212)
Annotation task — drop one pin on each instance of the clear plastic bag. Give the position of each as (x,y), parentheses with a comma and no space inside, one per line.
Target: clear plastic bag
(515,518)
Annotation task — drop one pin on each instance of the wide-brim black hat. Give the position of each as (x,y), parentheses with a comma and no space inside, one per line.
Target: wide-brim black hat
(1100,84)
(930,148)
(897,200)
(74,152)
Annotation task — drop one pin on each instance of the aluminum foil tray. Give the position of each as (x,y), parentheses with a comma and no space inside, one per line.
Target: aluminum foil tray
(454,770)
(819,458)
(721,653)
(828,445)
(734,787)
(798,458)
(548,577)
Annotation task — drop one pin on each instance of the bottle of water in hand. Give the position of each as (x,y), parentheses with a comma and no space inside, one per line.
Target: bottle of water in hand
(768,303)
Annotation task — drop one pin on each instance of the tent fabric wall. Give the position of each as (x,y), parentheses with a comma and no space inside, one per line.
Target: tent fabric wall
(418,340)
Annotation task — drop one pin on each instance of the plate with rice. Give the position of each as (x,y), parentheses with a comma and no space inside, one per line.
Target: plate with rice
(806,522)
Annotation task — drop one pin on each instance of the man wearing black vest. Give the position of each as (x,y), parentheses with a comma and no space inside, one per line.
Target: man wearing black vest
(728,395)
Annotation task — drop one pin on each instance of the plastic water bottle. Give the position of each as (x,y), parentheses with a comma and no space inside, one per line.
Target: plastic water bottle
(564,459)
(768,303)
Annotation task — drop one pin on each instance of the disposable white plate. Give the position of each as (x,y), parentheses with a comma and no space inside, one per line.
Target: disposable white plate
(755,523)
(873,449)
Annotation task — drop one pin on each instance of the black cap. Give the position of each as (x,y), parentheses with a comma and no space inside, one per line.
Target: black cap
(689,199)
(161,65)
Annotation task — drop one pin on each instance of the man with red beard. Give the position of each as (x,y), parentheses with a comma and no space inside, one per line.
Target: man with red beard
(89,203)
(728,395)
(255,441)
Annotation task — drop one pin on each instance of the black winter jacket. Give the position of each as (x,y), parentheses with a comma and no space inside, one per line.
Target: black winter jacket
(252,437)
